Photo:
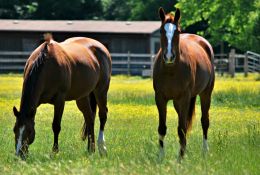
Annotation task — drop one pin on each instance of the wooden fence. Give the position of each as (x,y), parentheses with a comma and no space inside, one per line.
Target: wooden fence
(13,61)
(142,64)
(232,62)
(132,64)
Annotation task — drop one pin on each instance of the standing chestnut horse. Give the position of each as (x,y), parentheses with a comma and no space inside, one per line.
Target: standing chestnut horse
(76,69)
(183,69)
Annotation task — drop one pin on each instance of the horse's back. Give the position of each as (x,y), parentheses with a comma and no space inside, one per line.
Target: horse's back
(93,47)
(89,44)
(93,62)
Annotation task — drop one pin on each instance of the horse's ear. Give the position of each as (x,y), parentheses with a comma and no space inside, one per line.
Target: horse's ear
(16,112)
(161,14)
(177,15)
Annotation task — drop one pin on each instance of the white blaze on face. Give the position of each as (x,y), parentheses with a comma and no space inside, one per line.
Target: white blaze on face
(170,29)
(19,142)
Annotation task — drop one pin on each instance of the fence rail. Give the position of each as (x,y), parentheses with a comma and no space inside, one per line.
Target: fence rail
(142,64)
(232,62)
(132,64)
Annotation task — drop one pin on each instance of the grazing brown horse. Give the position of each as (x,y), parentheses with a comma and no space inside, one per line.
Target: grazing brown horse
(183,69)
(76,69)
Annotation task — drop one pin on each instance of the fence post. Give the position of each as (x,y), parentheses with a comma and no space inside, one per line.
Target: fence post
(128,63)
(232,62)
(151,65)
(246,65)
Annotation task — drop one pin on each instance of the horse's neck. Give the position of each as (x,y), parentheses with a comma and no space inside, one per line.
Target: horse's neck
(30,95)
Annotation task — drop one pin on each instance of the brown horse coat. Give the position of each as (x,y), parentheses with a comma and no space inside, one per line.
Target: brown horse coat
(76,69)
(183,69)
(192,71)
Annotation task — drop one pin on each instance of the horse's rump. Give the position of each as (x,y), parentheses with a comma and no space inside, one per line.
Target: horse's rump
(202,42)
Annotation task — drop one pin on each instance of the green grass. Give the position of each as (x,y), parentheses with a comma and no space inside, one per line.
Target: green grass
(131,133)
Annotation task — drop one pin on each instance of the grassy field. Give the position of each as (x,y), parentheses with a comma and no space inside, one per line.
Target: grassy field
(131,133)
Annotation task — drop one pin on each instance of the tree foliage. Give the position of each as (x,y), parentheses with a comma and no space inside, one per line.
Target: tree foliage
(148,9)
(235,21)
(84,9)
(49,9)
(135,9)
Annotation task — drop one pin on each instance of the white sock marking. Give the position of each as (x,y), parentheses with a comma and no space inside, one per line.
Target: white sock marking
(205,145)
(101,137)
(161,137)
(101,143)
(169,28)
(19,142)
(161,149)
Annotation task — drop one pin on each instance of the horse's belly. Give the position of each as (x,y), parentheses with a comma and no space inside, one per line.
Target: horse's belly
(77,93)
(82,83)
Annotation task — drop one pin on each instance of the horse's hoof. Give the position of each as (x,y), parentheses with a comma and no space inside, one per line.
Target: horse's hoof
(205,147)
(181,156)
(205,151)
(161,154)
(23,157)
(102,149)
(179,159)
(55,150)
(91,149)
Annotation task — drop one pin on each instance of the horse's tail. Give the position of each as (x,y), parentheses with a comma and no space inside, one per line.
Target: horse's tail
(191,113)
(93,105)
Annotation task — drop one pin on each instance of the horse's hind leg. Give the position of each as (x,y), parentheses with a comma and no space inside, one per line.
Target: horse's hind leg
(161,104)
(85,107)
(101,98)
(205,99)
(58,110)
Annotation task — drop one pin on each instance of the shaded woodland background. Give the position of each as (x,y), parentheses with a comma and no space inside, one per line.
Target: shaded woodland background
(236,22)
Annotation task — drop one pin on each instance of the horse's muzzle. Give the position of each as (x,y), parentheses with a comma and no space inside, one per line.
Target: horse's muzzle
(169,60)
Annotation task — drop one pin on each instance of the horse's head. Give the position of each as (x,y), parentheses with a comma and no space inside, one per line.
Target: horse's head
(170,33)
(24,132)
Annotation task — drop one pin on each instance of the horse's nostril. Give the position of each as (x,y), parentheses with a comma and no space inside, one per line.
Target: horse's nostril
(173,55)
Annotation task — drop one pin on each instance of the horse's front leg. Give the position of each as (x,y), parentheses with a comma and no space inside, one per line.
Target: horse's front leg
(161,103)
(182,107)
(58,111)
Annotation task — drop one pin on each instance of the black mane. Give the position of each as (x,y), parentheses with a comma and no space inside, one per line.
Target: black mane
(37,63)
(28,103)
